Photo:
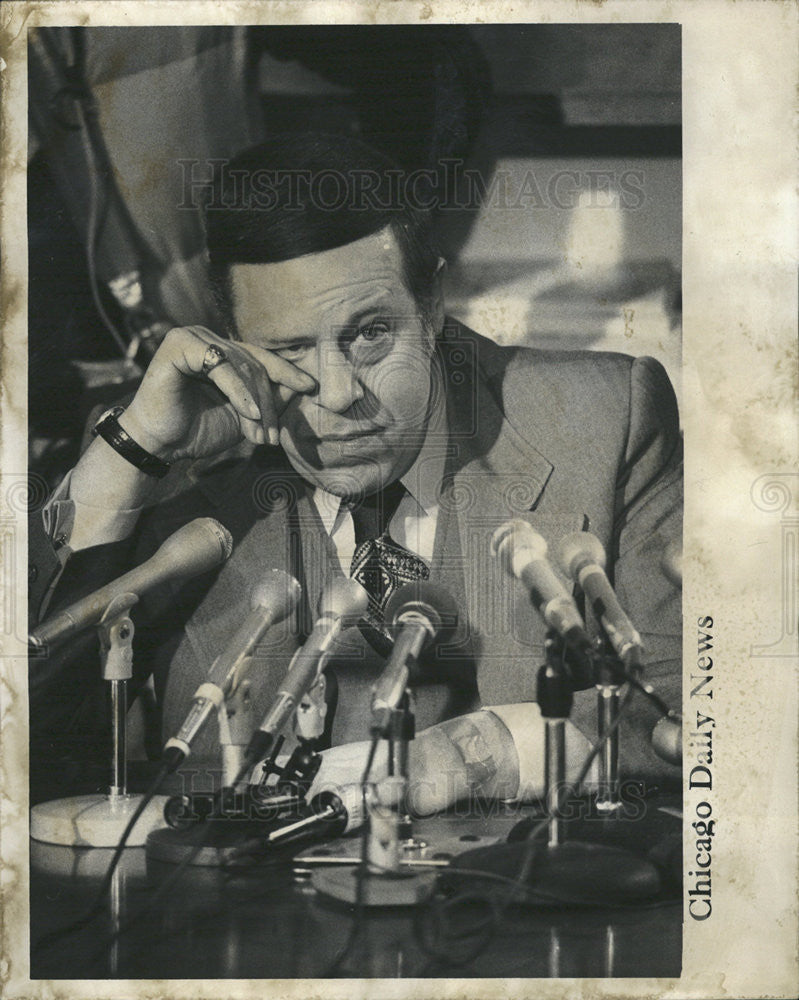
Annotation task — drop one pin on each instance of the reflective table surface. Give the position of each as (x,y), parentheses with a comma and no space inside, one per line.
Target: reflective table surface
(163,921)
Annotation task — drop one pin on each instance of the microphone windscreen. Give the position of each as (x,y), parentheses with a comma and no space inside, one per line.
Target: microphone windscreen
(195,548)
(667,740)
(429,601)
(222,534)
(516,543)
(671,562)
(579,549)
(277,589)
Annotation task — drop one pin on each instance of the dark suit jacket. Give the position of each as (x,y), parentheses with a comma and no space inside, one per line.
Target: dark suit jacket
(564,440)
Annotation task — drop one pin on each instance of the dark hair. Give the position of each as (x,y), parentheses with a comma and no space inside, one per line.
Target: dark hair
(302,193)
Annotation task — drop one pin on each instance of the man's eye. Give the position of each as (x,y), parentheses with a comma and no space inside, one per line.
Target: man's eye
(293,352)
(374,331)
(372,342)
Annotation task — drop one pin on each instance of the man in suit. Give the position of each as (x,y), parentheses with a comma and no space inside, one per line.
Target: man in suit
(340,390)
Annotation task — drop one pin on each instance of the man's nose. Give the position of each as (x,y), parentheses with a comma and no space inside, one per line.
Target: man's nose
(339,386)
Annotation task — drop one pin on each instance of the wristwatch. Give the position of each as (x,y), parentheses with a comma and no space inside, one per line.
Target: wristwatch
(107,427)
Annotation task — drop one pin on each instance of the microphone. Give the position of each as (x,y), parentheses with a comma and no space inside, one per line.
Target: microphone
(522,552)
(418,612)
(195,548)
(334,813)
(272,601)
(671,563)
(667,739)
(582,557)
(343,603)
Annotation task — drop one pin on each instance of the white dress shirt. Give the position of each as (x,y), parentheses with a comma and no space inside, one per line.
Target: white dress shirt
(413,524)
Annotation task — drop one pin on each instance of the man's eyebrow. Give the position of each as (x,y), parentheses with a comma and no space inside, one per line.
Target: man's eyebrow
(278,341)
(380,306)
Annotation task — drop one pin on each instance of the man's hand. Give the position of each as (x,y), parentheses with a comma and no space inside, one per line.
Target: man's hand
(178,412)
(345,764)
(439,775)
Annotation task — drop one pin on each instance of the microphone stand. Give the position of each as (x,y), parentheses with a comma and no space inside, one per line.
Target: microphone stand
(242,811)
(234,717)
(100,820)
(609,681)
(381,879)
(561,869)
(554,696)
(401,729)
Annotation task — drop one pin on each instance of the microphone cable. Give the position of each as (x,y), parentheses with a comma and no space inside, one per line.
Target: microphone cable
(167,883)
(231,870)
(439,912)
(361,873)
(433,921)
(146,907)
(51,937)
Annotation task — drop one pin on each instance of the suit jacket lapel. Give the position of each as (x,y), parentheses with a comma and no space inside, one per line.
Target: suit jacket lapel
(493,474)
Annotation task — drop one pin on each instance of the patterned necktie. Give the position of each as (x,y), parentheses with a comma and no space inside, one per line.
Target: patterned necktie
(379,564)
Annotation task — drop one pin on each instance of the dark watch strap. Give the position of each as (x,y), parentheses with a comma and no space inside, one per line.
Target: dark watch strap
(107,427)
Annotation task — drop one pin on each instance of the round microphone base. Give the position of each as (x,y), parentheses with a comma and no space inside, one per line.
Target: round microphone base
(386,889)
(94,820)
(573,873)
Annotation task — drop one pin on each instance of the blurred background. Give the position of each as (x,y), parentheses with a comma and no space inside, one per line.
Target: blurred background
(551,153)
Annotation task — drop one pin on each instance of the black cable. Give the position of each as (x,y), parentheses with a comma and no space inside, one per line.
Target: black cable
(648,691)
(98,208)
(361,872)
(439,917)
(499,908)
(169,881)
(444,955)
(159,893)
(96,907)
(178,930)
(491,924)
(232,870)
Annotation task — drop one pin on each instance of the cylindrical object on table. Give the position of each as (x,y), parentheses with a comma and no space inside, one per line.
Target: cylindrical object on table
(382,845)
(119,710)
(608,731)
(555,777)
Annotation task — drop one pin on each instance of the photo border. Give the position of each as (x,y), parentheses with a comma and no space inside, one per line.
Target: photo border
(740,72)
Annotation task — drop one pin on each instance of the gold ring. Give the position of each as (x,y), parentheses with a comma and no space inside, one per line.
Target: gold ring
(213,356)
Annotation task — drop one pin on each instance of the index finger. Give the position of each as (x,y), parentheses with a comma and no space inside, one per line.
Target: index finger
(280,370)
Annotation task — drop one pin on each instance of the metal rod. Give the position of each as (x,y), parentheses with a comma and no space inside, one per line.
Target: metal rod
(119,763)
(554,953)
(399,756)
(608,698)
(116,901)
(555,777)
(284,832)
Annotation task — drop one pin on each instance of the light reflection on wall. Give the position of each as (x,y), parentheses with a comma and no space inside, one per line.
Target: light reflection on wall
(595,238)
(593,262)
